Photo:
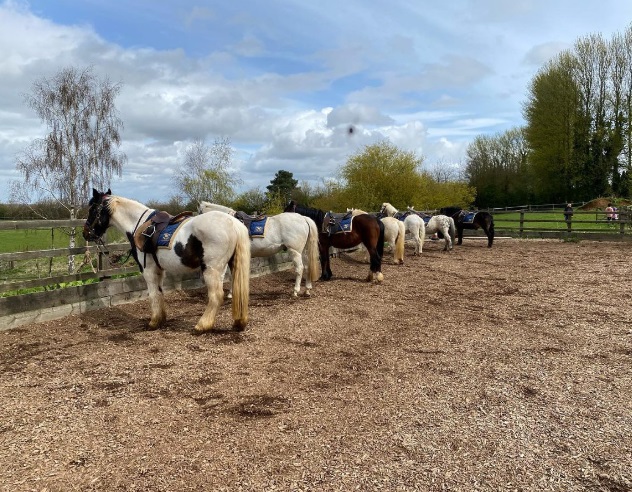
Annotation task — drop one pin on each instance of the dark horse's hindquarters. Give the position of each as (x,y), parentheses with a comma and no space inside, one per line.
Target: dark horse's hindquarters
(482,220)
(365,229)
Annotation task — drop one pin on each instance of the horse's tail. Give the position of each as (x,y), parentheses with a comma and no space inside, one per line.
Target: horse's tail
(313,253)
(492,232)
(400,241)
(240,270)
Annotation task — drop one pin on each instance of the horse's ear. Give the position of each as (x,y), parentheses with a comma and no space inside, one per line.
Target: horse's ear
(109,192)
(95,194)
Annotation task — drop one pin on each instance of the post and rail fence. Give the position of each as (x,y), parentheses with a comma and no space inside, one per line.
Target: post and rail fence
(45,290)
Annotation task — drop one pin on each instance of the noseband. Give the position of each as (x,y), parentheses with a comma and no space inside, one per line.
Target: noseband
(90,226)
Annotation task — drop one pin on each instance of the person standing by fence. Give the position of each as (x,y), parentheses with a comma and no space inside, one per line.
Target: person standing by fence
(568,214)
(609,212)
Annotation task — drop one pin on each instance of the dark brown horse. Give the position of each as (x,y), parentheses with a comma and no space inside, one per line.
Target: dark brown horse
(365,229)
(471,220)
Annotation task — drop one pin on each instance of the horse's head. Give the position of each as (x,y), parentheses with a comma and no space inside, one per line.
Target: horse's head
(98,215)
(290,207)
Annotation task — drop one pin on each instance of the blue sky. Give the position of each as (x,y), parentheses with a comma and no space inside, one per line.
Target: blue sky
(283,80)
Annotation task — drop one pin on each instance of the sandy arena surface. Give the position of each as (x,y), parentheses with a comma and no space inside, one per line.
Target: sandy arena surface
(485,369)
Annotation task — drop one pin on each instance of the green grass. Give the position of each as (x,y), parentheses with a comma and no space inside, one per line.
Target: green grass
(14,241)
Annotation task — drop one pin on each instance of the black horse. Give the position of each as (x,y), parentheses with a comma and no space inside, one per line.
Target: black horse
(471,220)
(365,229)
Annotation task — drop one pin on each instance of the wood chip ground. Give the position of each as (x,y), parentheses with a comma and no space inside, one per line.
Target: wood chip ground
(485,369)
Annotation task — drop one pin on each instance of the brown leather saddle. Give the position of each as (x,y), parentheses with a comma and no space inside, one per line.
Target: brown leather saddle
(247,220)
(146,236)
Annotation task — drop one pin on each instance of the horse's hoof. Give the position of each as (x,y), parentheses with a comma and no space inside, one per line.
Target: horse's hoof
(308,293)
(379,277)
(240,324)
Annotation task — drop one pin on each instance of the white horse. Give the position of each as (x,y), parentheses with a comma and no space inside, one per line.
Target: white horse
(207,242)
(286,231)
(394,234)
(444,225)
(412,223)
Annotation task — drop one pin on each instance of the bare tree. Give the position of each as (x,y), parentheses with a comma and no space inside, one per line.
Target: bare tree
(80,150)
(205,174)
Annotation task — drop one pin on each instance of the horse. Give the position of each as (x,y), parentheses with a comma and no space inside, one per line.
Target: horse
(291,232)
(365,229)
(413,223)
(206,242)
(479,220)
(394,234)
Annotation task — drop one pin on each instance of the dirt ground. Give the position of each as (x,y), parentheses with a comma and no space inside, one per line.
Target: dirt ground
(484,369)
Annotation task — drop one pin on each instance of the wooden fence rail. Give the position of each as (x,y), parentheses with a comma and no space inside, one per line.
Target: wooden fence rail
(71,293)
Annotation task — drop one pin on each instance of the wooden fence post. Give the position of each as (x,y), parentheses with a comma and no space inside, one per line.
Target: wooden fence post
(521,222)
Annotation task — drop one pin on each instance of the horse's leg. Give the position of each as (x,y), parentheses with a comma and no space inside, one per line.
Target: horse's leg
(154,277)
(376,265)
(308,276)
(215,290)
(459,233)
(230,283)
(324,261)
(297,260)
(448,239)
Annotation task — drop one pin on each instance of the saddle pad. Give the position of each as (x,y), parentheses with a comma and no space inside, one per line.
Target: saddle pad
(166,236)
(342,226)
(426,219)
(257,228)
(468,218)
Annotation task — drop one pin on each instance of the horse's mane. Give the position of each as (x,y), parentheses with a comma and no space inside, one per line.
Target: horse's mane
(450,211)
(315,214)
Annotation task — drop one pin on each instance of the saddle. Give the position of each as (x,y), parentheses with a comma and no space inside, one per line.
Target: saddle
(336,223)
(255,224)
(146,236)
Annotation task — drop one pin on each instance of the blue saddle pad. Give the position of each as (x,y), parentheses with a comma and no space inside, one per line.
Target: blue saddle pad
(257,228)
(164,240)
(426,219)
(468,218)
(343,226)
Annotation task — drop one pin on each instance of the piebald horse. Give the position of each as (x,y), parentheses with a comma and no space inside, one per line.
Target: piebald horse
(206,242)
(294,233)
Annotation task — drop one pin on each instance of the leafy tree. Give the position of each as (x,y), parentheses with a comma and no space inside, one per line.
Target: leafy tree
(204,175)
(251,201)
(554,119)
(80,150)
(497,168)
(282,186)
(381,173)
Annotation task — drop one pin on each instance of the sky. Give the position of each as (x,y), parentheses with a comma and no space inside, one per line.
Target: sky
(284,80)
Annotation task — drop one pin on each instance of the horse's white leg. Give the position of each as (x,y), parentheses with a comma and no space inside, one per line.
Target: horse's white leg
(215,290)
(154,277)
(230,283)
(297,260)
(308,276)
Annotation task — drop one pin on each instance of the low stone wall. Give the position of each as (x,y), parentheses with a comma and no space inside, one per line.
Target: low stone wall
(44,306)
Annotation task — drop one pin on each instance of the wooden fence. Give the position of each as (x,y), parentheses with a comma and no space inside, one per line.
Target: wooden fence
(72,293)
